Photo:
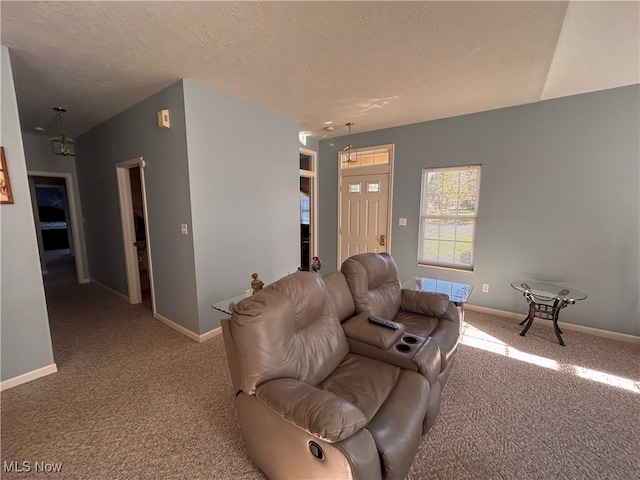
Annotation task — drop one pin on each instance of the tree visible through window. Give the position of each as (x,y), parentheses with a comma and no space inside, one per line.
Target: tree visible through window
(448,216)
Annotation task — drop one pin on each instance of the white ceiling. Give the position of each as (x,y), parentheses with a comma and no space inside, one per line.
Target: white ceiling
(378,64)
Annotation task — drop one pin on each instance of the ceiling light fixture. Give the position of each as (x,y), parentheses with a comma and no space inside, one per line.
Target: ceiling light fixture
(62,145)
(350,154)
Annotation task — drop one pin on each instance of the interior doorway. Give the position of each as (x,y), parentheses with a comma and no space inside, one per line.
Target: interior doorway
(135,231)
(56,221)
(308,209)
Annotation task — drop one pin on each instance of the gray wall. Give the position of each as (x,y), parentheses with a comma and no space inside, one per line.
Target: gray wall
(227,169)
(559,200)
(37,150)
(25,339)
(130,134)
(312,144)
(243,175)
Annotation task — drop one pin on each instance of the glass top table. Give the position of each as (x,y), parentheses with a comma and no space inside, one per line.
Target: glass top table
(226,305)
(458,292)
(537,293)
(549,291)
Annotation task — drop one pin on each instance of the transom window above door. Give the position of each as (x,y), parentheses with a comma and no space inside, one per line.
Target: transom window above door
(366,158)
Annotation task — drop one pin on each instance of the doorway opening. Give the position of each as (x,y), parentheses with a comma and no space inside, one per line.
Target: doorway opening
(55,217)
(135,232)
(137,201)
(308,216)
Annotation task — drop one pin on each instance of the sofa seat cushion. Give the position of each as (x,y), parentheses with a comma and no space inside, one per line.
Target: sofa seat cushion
(444,332)
(418,324)
(363,381)
(397,426)
(394,401)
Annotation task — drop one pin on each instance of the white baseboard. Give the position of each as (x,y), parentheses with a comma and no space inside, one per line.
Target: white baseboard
(110,289)
(188,333)
(28,377)
(170,323)
(568,326)
(494,311)
(210,334)
(185,331)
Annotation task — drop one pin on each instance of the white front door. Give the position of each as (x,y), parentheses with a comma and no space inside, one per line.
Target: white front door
(365,218)
(364,207)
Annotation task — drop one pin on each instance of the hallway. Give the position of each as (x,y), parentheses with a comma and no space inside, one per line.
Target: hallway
(61,269)
(132,398)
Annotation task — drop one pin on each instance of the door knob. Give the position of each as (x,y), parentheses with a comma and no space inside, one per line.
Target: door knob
(382,240)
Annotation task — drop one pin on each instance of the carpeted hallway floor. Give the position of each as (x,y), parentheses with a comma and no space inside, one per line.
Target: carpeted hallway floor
(133,399)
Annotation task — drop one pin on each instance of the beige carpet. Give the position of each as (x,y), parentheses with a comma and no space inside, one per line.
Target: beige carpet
(134,399)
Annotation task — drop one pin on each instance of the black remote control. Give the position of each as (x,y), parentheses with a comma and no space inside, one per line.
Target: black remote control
(384,323)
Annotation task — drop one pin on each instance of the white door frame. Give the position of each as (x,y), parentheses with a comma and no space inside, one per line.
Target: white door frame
(374,169)
(73,217)
(313,221)
(128,229)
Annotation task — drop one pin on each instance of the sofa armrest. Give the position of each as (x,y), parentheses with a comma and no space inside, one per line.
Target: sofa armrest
(359,328)
(319,412)
(425,303)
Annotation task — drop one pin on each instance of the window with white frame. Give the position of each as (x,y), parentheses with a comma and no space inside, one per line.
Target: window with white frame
(448,216)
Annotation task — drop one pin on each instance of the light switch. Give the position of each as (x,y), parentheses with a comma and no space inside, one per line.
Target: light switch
(183,229)
(402,222)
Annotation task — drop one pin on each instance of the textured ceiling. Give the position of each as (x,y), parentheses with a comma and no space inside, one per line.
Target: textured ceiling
(378,64)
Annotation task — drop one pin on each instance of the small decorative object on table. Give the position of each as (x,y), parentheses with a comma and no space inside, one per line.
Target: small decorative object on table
(256,283)
(316,264)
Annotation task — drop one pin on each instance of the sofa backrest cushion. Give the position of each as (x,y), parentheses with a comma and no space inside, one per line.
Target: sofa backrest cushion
(289,329)
(340,294)
(374,284)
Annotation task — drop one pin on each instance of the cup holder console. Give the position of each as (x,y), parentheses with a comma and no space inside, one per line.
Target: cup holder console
(407,343)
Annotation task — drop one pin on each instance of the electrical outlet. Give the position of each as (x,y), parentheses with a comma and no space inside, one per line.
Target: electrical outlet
(485,288)
(183,229)
(402,222)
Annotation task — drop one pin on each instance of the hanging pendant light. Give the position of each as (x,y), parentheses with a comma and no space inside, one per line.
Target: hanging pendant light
(350,154)
(62,145)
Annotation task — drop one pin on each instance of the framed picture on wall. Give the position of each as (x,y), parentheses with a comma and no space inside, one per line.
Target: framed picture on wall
(5,186)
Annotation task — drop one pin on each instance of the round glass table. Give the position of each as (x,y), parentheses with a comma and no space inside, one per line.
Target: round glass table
(540,295)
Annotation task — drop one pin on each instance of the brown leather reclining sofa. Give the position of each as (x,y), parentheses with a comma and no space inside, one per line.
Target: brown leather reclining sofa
(323,393)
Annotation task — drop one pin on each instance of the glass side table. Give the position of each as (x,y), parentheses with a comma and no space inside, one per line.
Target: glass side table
(226,305)
(538,296)
(458,292)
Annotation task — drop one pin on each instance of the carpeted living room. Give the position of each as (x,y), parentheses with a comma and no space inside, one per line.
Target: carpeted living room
(320,240)
(133,398)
